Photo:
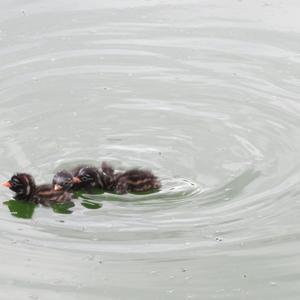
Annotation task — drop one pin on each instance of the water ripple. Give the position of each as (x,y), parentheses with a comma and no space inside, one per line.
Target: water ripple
(210,105)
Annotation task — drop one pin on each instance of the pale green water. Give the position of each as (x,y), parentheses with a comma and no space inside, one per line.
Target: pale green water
(205,94)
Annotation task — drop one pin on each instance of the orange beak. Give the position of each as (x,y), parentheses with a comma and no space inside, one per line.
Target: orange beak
(76,180)
(7,184)
(57,187)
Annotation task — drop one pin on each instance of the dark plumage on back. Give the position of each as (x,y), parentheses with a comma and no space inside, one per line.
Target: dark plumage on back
(108,177)
(134,180)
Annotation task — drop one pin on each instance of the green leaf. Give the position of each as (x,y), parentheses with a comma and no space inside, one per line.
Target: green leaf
(63,208)
(90,204)
(21,209)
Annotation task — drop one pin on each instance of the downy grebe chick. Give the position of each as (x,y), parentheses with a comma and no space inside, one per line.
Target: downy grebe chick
(64,181)
(25,188)
(89,178)
(134,180)
(82,177)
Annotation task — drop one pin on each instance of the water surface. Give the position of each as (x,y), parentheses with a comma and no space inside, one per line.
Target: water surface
(205,94)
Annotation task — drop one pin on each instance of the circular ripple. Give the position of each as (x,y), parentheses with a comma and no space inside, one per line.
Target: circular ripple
(212,108)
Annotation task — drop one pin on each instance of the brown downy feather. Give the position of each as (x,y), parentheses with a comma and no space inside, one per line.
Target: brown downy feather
(134,180)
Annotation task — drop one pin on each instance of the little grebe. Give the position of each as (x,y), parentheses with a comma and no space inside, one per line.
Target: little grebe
(134,180)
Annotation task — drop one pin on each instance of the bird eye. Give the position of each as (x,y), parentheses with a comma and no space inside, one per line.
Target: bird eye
(67,182)
(88,177)
(15,182)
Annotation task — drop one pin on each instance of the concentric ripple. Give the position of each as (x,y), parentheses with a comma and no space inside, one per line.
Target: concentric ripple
(204,95)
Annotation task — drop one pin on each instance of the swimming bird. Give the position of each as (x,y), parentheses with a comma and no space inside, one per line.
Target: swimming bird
(134,180)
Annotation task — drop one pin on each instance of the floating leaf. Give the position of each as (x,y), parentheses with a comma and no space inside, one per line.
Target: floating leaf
(90,204)
(63,208)
(21,209)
